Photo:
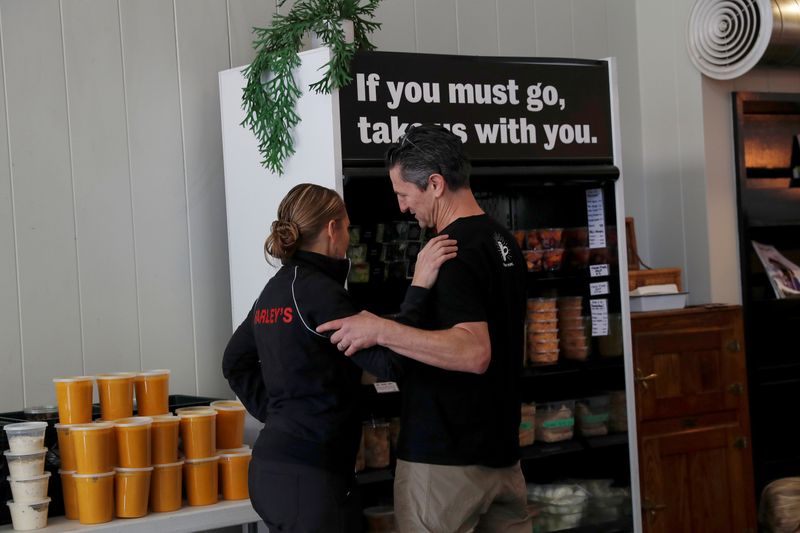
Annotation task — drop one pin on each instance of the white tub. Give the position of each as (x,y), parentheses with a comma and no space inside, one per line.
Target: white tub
(29,515)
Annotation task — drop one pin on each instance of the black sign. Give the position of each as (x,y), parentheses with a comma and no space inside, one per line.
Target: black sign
(504,109)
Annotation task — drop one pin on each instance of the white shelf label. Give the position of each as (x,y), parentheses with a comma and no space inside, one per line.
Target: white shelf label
(598,289)
(599,271)
(386,386)
(599,312)
(596,217)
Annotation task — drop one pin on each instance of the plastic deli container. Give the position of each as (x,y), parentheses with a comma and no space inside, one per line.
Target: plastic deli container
(165,487)
(65,447)
(113,456)
(152,392)
(26,516)
(230,423)
(380,518)
(41,412)
(74,395)
(115,390)
(133,441)
(198,431)
(164,438)
(29,489)
(95,497)
(69,493)
(132,490)
(591,416)
(92,446)
(527,424)
(25,436)
(25,465)
(233,468)
(555,421)
(202,480)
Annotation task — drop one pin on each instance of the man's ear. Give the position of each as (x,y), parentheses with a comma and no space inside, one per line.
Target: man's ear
(438,184)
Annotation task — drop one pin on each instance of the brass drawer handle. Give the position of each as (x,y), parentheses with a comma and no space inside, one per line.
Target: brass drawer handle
(641,378)
(651,507)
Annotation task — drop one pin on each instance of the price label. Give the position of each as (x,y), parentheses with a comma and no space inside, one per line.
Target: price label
(599,313)
(596,216)
(598,289)
(598,271)
(386,386)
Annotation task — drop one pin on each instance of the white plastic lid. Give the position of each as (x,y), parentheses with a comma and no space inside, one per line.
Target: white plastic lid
(115,375)
(169,465)
(228,454)
(227,405)
(31,503)
(25,479)
(25,427)
(18,455)
(94,426)
(201,460)
(133,421)
(67,472)
(156,372)
(73,379)
(121,470)
(104,474)
(196,411)
(165,418)
(242,448)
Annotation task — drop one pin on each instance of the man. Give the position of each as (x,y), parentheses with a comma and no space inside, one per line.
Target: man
(458,450)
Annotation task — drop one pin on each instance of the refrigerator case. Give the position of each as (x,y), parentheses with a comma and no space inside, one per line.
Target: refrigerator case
(562,198)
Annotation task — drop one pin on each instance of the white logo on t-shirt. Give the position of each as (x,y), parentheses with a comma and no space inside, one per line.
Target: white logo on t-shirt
(505,251)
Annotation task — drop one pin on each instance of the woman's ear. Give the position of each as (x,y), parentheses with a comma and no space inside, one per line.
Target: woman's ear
(331,229)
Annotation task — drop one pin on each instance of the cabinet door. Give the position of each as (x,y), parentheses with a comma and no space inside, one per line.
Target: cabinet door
(697,480)
(685,371)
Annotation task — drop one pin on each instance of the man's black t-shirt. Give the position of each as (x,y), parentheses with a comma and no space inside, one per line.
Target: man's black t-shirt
(459,418)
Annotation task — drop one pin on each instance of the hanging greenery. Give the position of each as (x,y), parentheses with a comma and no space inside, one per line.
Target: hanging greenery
(271,93)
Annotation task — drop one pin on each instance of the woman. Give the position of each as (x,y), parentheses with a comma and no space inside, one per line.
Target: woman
(297,382)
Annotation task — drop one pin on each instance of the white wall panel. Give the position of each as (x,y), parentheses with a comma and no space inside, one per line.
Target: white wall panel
(477,27)
(398,32)
(243,15)
(202,53)
(104,227)
(10,347)
(515,22)
(437,26)
(158,190)
(589,29)
(553,28)
(43,202)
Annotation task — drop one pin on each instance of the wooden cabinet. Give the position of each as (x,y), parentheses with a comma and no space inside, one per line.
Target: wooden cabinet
(695,460)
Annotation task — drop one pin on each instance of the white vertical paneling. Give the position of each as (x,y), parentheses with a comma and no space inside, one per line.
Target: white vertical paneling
(43,203)
(106,259)
(590,35)
(202,53)
(515,22)
(158,189)
(437,27)
(11,396)
(243,15)
(553,28)
(398,31)
(477,27)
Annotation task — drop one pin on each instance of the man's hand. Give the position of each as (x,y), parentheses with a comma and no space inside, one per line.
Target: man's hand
(430,258)
(355,332)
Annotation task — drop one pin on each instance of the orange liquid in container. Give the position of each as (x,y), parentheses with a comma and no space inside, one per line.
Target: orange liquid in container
(65,447)
(230,423)
(198,431)
(70,495)
(202,480)
(132,491)
(165,487)
(116,394)
(164,439)
(74,396)
(133,441)
(233,469)
(152,392)
(95,497)
(91,445)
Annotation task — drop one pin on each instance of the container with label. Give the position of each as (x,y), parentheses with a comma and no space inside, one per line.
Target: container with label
(65,447)
(164,438)
(95,497)
(527,425)
(230,423)
(165,487)
(133,441)
(152,392)
(25,436)
(202,480)
(74,395)
(25,465)
(115,391)
(591,416)
(555,421)
(26,516)
(198,431)
(132,490)
(29,489)
(92,447)
(233,468)
(69,493)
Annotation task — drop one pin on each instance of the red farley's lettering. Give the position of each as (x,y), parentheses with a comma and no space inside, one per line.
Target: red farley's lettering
(287,315)
(271,315)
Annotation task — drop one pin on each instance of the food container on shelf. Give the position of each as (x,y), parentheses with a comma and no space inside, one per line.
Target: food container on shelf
(74,396)
(69,494)
(25,436)
(65,448)
(534,260)
(535,324)
(152,392)
(165,487)
(95,497)
(574,344)
(25,465)
(569,313)
(134,441)
(576,237)
(521,236)
(577,257)
(552,259)
(532,240)
(41,413)
(570,302)
(164,438)
(558,499)
(541,304)
(546,315)
(527,425)
(380,519)
(233,468)
(26,516)
(132,491)
(29,489)
(542,346)
(542,358)
(591,416)
(550,238)
(555,421)
(230,423)
(113,455)
(115,390)
(202,480)
(92,446)
(198,431)
(536,336)
(376,443)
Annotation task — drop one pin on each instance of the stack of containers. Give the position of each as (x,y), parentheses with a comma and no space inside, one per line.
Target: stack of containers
(28,479)
(132,480)
(234,457)
(572,325)
(542,331)
(201,462)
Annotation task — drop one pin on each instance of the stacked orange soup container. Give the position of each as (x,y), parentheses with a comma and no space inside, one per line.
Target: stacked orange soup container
(124,466)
